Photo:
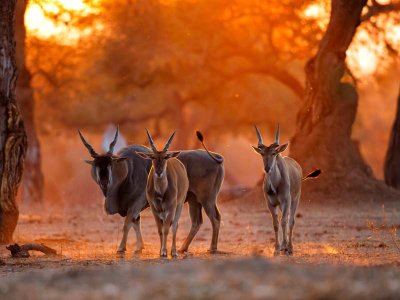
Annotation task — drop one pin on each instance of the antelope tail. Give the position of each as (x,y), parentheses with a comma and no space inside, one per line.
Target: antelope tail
(217,159)
(313,174)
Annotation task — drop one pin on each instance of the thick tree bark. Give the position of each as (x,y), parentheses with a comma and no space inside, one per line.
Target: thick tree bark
(392,160)
(32,180)
(324,123)
(13,141)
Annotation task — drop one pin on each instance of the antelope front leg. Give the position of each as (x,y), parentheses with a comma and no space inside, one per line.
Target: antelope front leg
(275,221)
(165,230)
(159,224)
(127,226)
(292,222)
(174,230)
(139,239)
(285,206)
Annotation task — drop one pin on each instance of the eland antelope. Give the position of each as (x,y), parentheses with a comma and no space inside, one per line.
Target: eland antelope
(282,188)
(122,178)
(167,186)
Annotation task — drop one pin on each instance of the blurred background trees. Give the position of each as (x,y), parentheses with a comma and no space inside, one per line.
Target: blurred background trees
(218,66)
(32,180)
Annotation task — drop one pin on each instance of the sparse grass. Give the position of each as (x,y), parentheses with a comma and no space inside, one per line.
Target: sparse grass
(385,232)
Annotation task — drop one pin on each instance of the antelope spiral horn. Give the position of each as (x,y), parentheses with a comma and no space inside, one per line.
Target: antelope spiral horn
(169,141)
(153,147)
(260,140)
(112,144)
(278,131)
(87,145)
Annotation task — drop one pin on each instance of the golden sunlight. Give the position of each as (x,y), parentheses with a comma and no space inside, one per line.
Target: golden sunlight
(40,21)
(314,11)
(363,54)
(328,249)
(362,60)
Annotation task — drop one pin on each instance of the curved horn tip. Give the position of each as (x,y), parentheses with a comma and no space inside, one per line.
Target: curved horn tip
(169,141)
(112,144)
(260,140)
(87,145)
(153,147)
(278,132)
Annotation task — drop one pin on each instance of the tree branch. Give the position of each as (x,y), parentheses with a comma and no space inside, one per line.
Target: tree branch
(376,9)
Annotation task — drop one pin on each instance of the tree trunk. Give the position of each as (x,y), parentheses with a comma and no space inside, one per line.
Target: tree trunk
(32,180)
(324,123)
(13,141)
(392,160)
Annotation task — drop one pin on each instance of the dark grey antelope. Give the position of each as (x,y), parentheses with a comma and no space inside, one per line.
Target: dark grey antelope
(122,178)
(167,186)
(282,188)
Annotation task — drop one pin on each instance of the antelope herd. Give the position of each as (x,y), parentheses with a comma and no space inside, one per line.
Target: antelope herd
(138,177)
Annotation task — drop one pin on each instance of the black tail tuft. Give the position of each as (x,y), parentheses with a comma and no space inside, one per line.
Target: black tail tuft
(313,174)
(218,159)
(200,136)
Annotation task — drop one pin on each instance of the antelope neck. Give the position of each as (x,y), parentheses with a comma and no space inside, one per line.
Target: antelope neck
(160,184)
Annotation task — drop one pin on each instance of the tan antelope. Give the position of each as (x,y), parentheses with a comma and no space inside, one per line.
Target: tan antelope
(167,186)
(282,188)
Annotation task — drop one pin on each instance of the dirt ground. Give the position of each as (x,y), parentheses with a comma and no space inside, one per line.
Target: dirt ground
(340,251)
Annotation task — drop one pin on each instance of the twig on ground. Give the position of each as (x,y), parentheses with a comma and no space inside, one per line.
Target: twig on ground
(22,251)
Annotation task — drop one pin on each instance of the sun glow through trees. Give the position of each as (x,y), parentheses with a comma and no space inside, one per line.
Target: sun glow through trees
(363,55)
(53,19)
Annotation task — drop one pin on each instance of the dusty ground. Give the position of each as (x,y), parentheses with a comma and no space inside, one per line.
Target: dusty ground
(341,251)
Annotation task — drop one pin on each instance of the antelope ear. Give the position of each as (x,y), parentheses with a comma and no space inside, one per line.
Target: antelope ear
(90,162)
(119,159)
(173,154)
(144,155)
(282,148)
(258,150)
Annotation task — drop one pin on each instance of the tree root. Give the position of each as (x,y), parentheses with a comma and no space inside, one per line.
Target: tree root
(22,251)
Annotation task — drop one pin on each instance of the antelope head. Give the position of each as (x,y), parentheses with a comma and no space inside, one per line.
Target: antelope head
(159,158)
(269,153)
(102,164)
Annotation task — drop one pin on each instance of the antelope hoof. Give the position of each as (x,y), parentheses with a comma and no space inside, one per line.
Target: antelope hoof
(182,251)
(289,252)
(215,251)
(138,251)
(277,250)
(120,253)
(212,251)
(163,253)
(174,254)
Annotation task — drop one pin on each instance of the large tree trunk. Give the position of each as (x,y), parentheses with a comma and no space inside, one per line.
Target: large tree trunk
(392,160)
(13,141)
(324,123)
(32,180)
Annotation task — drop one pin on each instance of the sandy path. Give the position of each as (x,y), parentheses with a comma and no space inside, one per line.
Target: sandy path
(328,239)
